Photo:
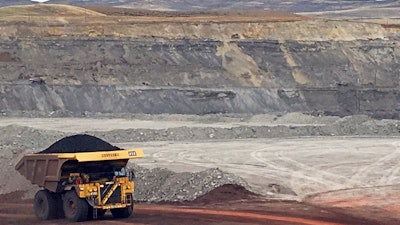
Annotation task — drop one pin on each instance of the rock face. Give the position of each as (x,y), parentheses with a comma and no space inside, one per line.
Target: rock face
(202,63)
(191,76)
(77,60)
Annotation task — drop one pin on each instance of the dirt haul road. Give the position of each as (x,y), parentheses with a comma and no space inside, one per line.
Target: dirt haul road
(354,175)
(338,180)
(235,213)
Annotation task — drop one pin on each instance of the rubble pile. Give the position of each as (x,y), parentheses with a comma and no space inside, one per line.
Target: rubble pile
(162,185)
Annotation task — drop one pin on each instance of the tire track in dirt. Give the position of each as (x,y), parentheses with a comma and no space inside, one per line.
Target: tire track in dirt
(390,163)
(312,171)
(394,170)
(296,171)
(190,157)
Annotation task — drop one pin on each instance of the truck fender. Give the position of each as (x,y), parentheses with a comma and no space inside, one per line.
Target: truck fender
(90,201)
(69,187)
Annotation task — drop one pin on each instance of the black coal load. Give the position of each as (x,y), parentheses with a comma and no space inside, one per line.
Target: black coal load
(79,143)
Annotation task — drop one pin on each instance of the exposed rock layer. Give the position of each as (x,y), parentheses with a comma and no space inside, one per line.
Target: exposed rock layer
(242,76)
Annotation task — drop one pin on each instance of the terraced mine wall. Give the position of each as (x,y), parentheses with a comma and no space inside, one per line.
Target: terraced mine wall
(126,75)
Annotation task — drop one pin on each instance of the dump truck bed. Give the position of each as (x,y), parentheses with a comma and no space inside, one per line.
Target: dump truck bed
(45,170)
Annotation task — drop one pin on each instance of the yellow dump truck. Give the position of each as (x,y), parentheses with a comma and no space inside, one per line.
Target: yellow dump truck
(81,186)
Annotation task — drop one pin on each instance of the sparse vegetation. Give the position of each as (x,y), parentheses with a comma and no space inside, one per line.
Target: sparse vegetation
(45,11)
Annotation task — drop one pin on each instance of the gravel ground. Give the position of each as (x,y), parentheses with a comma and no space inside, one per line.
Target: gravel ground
(160,184)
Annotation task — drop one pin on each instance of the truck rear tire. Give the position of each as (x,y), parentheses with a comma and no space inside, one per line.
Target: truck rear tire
(45,205)
(59,202)
(75,208)
(123,212)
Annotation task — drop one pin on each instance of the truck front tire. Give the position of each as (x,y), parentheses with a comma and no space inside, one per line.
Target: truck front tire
(45,205)
(75,208)
(123,212)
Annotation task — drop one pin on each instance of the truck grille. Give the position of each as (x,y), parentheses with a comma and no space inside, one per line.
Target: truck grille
(115,196)
(104,190)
